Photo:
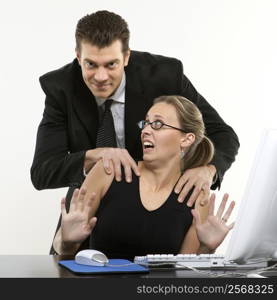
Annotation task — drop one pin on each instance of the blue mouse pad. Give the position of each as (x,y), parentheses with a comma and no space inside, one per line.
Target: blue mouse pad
(83,269)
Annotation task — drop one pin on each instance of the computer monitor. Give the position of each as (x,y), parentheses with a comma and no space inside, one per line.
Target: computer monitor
(254,235)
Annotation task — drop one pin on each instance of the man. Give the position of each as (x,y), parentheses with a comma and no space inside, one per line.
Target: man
(105,68)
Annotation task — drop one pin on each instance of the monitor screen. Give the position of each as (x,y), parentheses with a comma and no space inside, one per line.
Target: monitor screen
(254,235)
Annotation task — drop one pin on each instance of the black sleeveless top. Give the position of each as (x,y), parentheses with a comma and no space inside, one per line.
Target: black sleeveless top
(125,228)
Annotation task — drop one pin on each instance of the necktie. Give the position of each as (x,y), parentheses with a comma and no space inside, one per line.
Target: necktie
(106,132)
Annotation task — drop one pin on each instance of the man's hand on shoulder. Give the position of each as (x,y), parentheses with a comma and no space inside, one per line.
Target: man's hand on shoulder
(113,159)
(201,179)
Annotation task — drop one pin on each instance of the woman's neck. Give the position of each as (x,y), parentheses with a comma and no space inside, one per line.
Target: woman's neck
(159,177)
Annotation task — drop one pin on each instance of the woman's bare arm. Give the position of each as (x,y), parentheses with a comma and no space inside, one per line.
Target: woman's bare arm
(191,243)
(79,221)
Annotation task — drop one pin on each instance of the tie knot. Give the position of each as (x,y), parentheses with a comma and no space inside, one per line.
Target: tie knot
(108,104)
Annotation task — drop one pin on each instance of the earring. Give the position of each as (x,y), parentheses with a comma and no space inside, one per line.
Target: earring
(182,154)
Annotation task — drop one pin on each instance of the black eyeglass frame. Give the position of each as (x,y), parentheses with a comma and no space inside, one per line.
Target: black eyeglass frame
(142,124)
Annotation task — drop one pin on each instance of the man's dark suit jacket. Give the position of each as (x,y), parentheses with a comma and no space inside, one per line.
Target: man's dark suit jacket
(70,119)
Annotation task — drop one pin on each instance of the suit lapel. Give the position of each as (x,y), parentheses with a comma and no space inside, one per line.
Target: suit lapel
(85,106)
(135,109)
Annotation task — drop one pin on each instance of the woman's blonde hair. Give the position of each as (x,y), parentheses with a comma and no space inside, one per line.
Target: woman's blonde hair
(190,118)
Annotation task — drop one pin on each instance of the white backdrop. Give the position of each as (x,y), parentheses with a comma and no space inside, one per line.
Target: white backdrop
(228,48)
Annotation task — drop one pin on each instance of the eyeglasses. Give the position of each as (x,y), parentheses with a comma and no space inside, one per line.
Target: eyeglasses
(156,125)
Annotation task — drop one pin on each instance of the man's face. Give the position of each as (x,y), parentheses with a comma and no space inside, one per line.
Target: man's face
(102,69)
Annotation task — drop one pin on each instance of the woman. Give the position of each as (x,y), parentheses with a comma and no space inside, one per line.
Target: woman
(144,216)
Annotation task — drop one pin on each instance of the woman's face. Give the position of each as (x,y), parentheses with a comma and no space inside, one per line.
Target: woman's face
(164,144)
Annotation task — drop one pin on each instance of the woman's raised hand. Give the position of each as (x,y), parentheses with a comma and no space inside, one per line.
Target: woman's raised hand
(78,223)
(213,230)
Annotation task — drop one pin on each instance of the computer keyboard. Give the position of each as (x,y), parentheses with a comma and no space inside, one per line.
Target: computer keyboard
(201,261)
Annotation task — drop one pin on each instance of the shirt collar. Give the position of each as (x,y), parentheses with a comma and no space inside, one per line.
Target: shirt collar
(119,95)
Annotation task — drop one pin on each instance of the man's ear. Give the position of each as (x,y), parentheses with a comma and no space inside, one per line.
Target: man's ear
(126,57)
(187,140)
(78,56)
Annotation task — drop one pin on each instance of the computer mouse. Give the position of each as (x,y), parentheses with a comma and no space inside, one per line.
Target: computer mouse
(91,257)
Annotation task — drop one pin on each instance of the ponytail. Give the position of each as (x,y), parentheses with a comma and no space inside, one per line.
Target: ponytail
(199,155)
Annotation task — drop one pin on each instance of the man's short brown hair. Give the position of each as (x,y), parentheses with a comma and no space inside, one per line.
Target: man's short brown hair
(101,29)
